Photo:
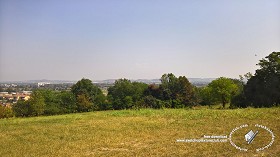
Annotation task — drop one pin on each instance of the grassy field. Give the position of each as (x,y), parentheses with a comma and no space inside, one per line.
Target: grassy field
(137,133)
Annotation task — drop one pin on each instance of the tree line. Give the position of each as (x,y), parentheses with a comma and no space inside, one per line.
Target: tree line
(259,90)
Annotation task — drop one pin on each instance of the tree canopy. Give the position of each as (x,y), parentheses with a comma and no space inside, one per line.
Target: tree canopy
(125,93)
(87,93)
(263,88)
(222,90)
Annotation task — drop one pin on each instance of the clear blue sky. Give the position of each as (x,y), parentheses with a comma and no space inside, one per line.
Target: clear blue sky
(106,39)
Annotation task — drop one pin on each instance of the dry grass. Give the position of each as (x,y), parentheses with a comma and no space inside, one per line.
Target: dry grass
(134,133)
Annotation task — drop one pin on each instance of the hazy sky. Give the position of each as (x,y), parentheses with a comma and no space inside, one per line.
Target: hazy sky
(106,39)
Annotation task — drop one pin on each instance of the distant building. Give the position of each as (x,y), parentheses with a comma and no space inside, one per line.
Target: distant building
(41,84)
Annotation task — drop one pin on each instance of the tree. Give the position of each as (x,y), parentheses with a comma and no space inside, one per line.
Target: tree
(222,90)
(239,99)
(90,91)
(263,89)
(67,102)
(36,104)
(6,112)
(21,108)
(51,99)
(84,103)
(153,90)
(205,96)
(185,93)
(124,94)
(177,91)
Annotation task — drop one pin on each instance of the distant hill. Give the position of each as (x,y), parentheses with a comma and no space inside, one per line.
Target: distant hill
(195,81)
(37,81)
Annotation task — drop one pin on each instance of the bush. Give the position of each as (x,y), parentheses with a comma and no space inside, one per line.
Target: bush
(238,101)
(6,112)
(52,109)
(21,108)
(105,106)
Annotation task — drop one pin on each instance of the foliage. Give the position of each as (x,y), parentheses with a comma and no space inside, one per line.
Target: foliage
(150,102)
(204,95)
(263,89)
(6,112)
(51,99)
(177,91)
(21,108)
(222,90)
(125,93)
(36,104)
(67,102)
(90,91)
(83,103)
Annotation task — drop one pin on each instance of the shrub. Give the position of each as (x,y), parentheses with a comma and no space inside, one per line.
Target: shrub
(6,112)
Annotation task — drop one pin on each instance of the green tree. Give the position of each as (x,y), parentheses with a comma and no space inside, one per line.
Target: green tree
(83,103)
(67,102)
(263,89)
(37,104)
(6,112)
(153,90)
(169,86)
(222,90)
(239,99)
(205,96)
(186,93)
(51,99)
(90,91)
(124,94)
(177,91)
(21,108)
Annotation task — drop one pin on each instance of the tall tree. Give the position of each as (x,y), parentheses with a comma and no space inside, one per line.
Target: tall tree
(37,104)
(222,90)
(178,91)
(83,103)
(124,94)
(67,102)
(89,90)
(263,89)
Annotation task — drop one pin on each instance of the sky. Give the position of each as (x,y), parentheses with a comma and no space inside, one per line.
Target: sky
(135,39)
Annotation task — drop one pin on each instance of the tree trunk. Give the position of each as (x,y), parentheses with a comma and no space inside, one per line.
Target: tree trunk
(224,104)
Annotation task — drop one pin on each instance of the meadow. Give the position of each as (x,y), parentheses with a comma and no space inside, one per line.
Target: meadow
(144,132)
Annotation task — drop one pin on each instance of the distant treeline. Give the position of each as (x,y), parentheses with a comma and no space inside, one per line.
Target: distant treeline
(259,90)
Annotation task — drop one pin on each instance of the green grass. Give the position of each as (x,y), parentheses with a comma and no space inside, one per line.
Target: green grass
(134,133)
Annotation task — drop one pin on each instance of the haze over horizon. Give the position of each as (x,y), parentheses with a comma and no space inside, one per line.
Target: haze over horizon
(71,39)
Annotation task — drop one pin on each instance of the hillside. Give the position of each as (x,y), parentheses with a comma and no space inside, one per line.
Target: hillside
(139,133)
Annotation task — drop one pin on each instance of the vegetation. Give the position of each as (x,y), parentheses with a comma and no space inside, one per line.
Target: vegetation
(124,94)
(222,90)
(6,112)
(261,90)
(88,95)
(35,106)
(144,132)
